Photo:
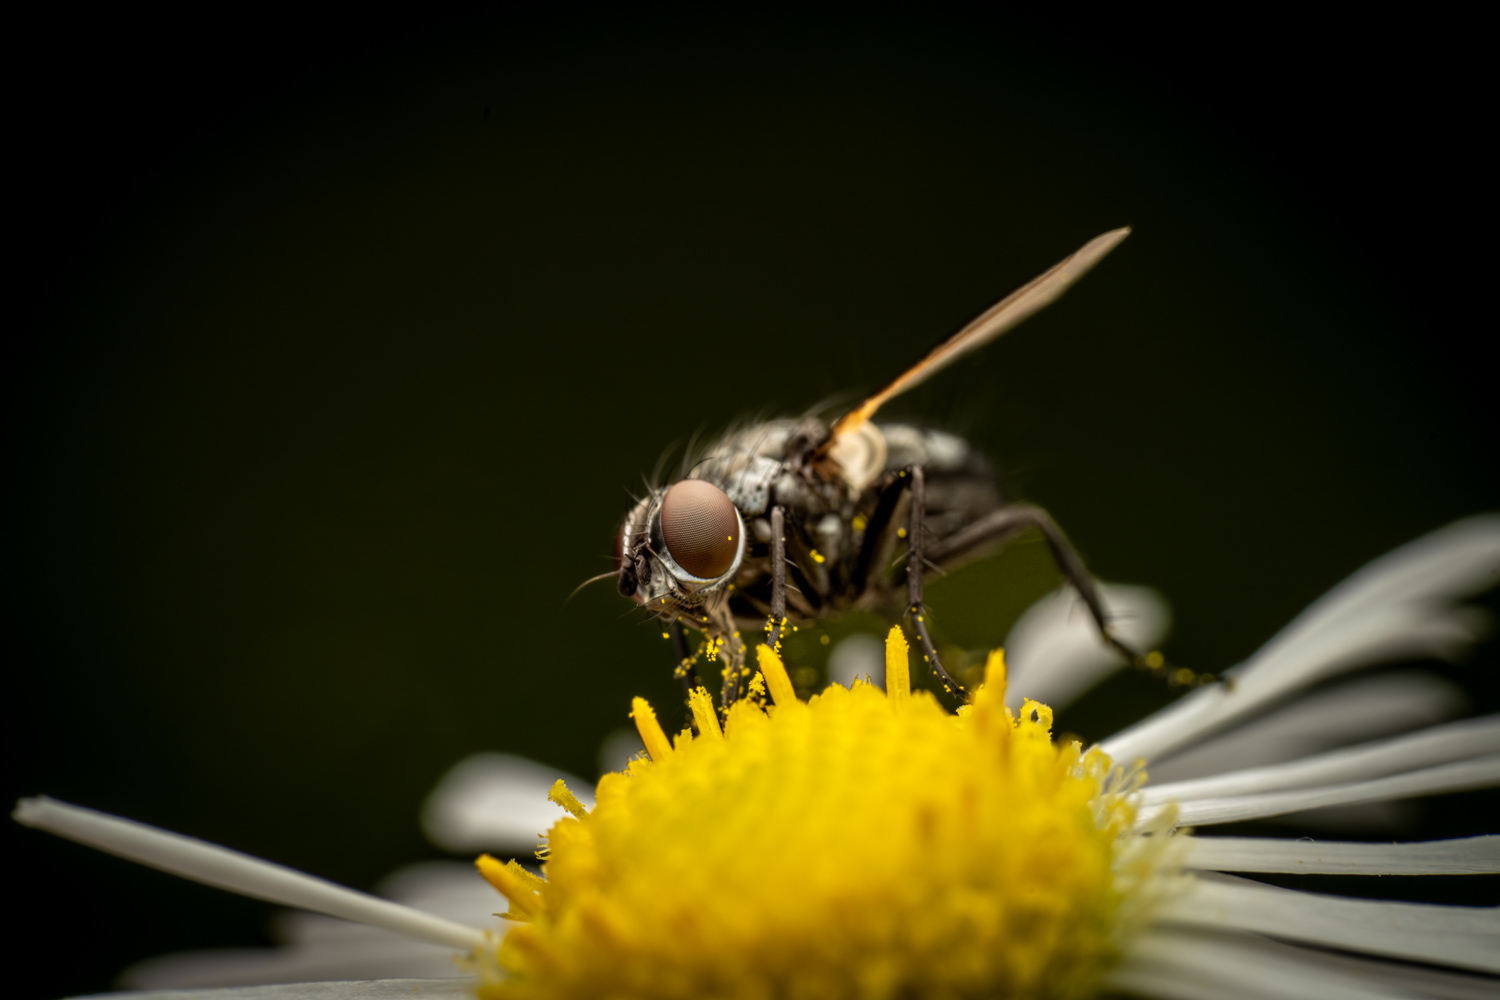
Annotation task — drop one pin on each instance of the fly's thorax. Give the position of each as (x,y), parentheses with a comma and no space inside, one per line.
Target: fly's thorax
(748,462)
(745,477)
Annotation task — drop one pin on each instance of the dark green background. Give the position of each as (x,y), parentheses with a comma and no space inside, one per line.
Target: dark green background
(339,347)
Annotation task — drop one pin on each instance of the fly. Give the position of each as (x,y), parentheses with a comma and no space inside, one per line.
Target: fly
(800,519)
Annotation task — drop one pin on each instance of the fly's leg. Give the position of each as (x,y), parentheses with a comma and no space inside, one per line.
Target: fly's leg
(914,564)
(1006,523)
(729,647)
(777,622)
(687,669)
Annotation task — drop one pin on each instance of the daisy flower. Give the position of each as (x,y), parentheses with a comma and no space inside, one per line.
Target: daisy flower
(869,843)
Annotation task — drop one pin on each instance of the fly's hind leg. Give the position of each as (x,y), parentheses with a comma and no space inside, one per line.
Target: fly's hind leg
(1004,524)
(914,566)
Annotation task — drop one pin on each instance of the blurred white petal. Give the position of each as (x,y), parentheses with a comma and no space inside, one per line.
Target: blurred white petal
(1401,605)
(1464,856)
(451,889)
(318,948)
(856,656)
(1183,963)
(381,989)
(1392,819)
(1461,936)
(1347,713)
(1180,965)
(496,802)
(378,956)
(1054,653)
(619,748)
(1456,741)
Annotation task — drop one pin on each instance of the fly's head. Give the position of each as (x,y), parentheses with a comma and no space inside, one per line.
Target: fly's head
(679,547)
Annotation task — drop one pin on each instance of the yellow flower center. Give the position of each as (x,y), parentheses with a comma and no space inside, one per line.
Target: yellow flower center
(864,844)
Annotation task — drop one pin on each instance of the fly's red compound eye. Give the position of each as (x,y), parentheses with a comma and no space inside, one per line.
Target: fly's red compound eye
(700,528)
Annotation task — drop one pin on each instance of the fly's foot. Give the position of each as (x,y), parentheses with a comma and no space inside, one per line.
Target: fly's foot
(1156,665)
(918,616)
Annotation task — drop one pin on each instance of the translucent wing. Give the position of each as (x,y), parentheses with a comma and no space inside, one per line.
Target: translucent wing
(1019,304)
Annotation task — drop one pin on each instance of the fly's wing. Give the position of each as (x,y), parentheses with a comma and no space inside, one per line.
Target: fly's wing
(1019,304)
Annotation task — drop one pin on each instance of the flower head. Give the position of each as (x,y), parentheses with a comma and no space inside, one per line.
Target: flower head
(863,844)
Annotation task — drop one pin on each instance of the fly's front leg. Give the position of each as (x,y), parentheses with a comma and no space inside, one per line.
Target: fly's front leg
(777,622)
(687,669)
(914,564)
(729,647)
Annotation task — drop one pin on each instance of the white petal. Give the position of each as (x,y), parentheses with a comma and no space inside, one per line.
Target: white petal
(1456,741)
(1193,963)
(452,889)
(619,748)
(856,656)
(1401,605)
(1171,981)
(1182,964)
(1483,772)
(496,802)
(1460,936)
(1194,979)
(225,869)
(378,956)
(1464,856)
(1351,712)
(384,989)
(1054,652)
(324,948)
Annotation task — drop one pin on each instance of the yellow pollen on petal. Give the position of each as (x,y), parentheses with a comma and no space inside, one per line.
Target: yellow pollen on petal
(782,692)
(566,799)
(897,667)
(702,707)
(651,732)
(758,687)
(837,848)
(515,883)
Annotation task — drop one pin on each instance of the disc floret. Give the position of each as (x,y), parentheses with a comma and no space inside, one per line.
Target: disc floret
(865,843)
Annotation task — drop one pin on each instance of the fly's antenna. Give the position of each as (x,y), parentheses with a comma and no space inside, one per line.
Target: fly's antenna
(592,579)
